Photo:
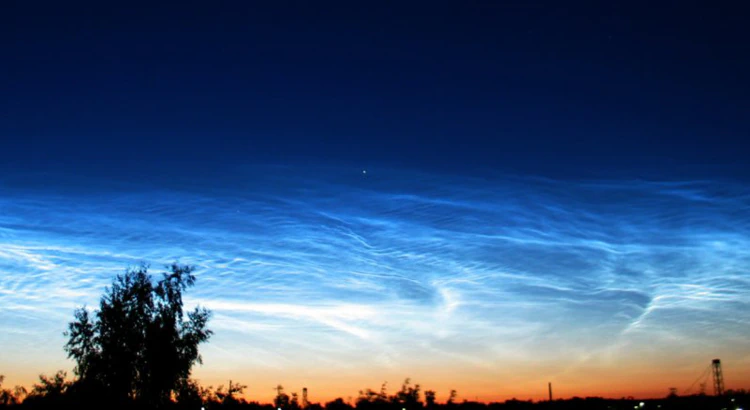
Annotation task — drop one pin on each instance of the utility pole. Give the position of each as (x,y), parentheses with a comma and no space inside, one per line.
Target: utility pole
(549,386)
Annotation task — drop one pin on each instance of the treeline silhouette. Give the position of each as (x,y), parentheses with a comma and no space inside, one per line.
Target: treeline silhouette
(57,392)
(138,349)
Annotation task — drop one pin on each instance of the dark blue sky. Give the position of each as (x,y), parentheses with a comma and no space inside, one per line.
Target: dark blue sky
(558,189)
(604,89)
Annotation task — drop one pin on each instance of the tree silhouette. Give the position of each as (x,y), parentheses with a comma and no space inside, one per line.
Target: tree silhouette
(139,346)
(10,397)
(429,398)
(50,392)
(338,404)
(294,402)
(228,397)
(369,399)
(190,394)
(408,396)
(51,387)
(281,401)
(451,398)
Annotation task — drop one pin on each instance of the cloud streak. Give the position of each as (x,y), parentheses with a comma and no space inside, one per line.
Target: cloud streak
(405,267)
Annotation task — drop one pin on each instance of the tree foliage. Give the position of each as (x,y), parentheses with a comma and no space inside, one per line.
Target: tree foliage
(51,387)
(10,397)
(282,400)
(429,398)
(139,345)
(408,396)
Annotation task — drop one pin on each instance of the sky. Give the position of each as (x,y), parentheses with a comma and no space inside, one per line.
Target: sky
(482,196)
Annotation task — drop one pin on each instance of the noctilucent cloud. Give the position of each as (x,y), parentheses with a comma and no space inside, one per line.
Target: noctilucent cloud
(336,280)
(480,195)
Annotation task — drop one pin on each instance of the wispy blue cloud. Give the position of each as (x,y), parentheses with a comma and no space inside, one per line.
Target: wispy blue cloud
(389,270)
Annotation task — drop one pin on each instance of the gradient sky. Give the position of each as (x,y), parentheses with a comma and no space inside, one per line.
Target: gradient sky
(551,194)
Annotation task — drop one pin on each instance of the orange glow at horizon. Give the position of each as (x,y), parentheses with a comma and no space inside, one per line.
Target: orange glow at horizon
(639,381)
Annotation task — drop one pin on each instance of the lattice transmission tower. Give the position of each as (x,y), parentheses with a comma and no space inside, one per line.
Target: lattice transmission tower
(718,378)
